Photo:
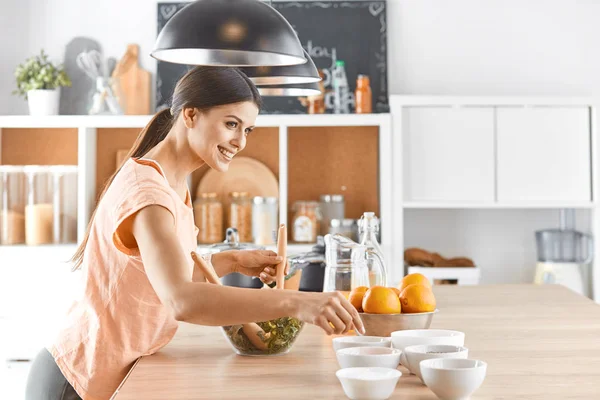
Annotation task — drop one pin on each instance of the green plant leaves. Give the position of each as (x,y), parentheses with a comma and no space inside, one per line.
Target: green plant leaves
(38,72)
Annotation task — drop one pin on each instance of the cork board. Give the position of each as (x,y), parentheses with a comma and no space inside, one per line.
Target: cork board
(334,160)
(39,146)
(262,145)
(109,141)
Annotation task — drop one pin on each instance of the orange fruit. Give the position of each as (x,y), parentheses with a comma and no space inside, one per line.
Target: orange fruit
(417,298)
(396,290)
(412,279)
(356,297)
(381,300)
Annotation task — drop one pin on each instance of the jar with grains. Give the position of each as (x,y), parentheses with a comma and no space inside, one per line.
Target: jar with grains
(240,215)
(208,216)
(306,221)
(39,211)
(65,203)
(264,220)
(13,185)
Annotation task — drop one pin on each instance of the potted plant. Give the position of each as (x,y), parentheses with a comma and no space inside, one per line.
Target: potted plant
(39,81)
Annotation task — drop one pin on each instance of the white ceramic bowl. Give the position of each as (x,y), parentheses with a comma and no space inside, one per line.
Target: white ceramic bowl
(453,378)
(344,342)
(368,383)
(413,337)
(415,354)
(384,357)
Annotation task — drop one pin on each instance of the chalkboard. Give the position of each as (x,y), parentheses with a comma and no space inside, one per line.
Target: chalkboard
(352,31)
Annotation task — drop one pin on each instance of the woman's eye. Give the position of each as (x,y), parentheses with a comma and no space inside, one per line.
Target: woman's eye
(232,124)
(249,131)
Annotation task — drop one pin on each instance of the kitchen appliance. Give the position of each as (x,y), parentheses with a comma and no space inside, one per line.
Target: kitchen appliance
(350,265)
(232,242)
(312,264)
(564,255)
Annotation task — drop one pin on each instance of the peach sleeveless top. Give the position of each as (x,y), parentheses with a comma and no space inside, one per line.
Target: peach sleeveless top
(118,317)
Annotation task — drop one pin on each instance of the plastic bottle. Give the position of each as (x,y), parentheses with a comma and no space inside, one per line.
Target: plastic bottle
(363,96)
(341,104)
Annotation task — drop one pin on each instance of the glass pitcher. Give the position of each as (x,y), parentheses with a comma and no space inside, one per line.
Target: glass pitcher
(350,265)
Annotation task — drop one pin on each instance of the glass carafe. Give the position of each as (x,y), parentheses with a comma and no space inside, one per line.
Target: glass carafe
(350,265)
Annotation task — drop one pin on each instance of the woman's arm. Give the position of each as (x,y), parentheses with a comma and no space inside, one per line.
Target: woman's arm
(167,267)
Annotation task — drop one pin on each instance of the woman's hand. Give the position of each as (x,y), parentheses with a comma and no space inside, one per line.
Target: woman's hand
(330,311)
(261,263)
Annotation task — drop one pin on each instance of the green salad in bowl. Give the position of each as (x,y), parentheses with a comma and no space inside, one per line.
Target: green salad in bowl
(278,338)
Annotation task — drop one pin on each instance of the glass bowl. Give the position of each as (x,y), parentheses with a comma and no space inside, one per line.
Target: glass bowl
(280,335)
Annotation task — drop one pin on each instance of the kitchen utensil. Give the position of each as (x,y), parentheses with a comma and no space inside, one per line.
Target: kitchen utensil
(384,357)
(76,99)
(282,252)
(368,383)
(232,242)
(415,354)
(405,338)
(344,342)
(452,378)
(245,174)
(385,324)
(134,82)
(312,264)
(253,332)
(348,265)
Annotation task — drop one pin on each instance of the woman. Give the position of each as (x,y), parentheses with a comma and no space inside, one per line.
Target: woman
(139,276)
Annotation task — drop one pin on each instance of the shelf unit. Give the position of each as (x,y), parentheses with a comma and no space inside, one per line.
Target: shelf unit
(400,103)
(89,128)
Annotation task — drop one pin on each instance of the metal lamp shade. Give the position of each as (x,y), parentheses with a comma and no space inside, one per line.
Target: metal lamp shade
(306,89)
(233,33)
(278,75)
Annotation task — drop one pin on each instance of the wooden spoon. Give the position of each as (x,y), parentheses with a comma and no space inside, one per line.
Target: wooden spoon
(252,330)
(282,252)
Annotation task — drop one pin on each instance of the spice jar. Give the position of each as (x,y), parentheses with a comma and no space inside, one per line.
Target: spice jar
(264,220)
(12,204)
(306,221)
(39,213)
(64,203)
(332,207)
(363,95)
(208,216)
(240,215)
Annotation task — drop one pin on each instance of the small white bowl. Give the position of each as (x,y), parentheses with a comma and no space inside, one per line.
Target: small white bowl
(368,383)
(402,339)
(384,357)
(345,342)
(415,354)
(453,378)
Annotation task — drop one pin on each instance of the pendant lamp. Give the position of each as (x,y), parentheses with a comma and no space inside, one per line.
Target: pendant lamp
(234,33)
(291,74)
(293,90)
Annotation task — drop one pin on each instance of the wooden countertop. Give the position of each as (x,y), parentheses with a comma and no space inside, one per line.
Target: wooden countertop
(540,342)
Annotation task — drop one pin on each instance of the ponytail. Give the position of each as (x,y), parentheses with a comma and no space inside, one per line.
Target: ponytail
(155,132)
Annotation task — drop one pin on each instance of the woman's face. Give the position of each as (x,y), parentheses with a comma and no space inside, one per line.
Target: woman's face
(218,134)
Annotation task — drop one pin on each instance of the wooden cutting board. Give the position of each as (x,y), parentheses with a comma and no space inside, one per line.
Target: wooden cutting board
(135,83)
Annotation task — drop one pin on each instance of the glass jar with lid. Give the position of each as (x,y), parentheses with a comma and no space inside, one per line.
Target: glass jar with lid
(208,216)
(240,215)
(332,207)
(264,220)
(13,185)
(306,221)
(64,203)
(39,209)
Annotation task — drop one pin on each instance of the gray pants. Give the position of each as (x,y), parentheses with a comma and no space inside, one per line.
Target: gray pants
(46,381)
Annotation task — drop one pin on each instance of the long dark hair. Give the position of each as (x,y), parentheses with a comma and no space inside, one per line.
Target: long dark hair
(202,88)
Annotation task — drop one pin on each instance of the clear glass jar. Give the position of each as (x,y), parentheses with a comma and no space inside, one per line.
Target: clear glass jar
(39,209)
(264,220)
(12,204)
(306,221)
(208,215)
(347,227)
(240,215)
(64,203)
(332,207)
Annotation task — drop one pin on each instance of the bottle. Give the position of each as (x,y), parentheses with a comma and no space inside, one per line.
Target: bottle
(368,227)
(363,96)
(340,86)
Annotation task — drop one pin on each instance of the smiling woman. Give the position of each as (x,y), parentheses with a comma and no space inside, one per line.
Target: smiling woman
(140,279)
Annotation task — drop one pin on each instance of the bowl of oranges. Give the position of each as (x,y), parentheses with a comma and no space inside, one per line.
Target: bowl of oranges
(384,310)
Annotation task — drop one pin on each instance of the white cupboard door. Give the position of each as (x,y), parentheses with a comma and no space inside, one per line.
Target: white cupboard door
(449,154)
(544,154)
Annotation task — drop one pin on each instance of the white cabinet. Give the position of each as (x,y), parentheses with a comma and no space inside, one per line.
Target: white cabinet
(543,154)
(448,154)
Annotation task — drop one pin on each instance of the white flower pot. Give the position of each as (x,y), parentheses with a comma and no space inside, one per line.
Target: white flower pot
(43,102)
